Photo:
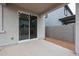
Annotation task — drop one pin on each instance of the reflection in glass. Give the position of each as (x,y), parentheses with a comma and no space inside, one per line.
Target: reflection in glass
(33,27)
(23,26)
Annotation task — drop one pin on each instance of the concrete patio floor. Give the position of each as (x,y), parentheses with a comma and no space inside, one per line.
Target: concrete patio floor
(35,48)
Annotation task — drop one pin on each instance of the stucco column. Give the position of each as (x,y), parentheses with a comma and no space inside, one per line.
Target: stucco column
(77,30)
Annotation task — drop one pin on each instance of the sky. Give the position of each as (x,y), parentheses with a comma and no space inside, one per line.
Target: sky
(72,7)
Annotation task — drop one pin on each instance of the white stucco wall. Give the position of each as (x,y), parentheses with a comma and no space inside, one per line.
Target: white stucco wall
(11,26)
(10,23)
(41,28)
(77,29)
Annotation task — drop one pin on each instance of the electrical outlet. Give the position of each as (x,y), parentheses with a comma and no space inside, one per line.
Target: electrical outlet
(12,38)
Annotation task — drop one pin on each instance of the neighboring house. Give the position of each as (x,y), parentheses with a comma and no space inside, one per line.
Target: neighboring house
(21,22)
(57,29)
(53,17)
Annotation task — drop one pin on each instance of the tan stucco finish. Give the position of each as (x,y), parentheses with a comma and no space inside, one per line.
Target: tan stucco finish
(39,8)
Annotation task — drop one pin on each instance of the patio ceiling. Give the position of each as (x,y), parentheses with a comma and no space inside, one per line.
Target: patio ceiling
(40,8)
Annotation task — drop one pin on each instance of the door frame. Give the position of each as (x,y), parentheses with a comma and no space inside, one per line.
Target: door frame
(26,40)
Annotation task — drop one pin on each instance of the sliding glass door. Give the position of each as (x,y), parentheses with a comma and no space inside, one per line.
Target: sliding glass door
(23,26)
(33,27)
(27,26)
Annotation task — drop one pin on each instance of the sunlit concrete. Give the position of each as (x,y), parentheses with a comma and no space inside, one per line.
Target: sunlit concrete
(36,48)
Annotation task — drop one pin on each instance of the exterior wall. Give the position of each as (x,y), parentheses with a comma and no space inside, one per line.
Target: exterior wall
(41,28)
(77,29)
(55,29)
(53,17)
(65,32)
(11,25)
(10,18)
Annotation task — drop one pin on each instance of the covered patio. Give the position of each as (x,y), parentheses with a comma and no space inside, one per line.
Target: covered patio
(36,46)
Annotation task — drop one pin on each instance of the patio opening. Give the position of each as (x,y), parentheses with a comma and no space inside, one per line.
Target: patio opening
(60,27)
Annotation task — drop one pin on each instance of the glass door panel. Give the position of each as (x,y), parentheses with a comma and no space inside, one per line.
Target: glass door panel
(23,26)
(33,27)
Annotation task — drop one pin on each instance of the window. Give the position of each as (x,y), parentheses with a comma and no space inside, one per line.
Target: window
(0,18)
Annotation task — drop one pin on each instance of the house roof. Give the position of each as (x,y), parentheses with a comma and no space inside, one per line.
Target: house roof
(68,19)
(66,6)
(40,8)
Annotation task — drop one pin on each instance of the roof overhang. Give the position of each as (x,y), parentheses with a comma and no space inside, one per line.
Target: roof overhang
(40,8)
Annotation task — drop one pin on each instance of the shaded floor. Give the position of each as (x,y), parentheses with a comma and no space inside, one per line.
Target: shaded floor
(65,44)
(36,48)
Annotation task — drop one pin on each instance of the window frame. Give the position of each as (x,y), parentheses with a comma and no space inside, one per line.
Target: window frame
(1,20)
(32,14)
